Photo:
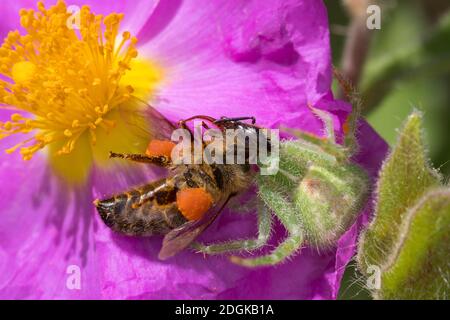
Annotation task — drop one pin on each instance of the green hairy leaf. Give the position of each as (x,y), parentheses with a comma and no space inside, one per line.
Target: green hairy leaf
(419,264)
(406,248)
(404,177)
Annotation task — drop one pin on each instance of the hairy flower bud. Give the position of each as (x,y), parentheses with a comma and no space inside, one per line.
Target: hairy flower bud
(403,179)
(407,242)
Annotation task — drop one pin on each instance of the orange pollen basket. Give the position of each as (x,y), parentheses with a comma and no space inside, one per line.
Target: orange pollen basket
(158,148)
(193,203)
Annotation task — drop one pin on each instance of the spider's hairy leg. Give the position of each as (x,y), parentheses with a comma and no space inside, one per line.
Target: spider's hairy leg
(327,120)
(264,228)
(351,124)
(311,139)
(328,143)
(286,249)
(276,199)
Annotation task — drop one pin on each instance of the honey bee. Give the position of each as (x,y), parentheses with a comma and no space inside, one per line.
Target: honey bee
(184,203)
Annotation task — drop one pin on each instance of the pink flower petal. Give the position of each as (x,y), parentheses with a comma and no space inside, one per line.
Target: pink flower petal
(44,229)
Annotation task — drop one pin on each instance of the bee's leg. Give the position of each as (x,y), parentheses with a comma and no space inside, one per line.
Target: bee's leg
(182,124)
(161,161)
(264,228)
(225,119)
(204,125)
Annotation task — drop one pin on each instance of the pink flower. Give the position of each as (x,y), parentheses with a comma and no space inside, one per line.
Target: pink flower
(267,59)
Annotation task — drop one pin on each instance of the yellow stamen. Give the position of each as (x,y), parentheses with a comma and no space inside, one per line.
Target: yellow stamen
(65,81)
(23,71)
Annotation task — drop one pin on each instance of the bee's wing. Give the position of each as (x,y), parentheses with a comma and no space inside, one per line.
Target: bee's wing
(145,121)
(181,237)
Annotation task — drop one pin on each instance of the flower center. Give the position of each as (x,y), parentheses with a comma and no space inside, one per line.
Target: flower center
(63,82)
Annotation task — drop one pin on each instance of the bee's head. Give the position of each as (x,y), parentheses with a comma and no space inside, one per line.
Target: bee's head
(235,123)
(248,129)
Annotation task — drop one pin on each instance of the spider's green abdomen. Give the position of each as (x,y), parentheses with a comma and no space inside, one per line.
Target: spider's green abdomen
(328,198)
(325,191)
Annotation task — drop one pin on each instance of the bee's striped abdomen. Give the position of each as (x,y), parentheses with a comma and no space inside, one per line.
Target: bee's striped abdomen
(144,211)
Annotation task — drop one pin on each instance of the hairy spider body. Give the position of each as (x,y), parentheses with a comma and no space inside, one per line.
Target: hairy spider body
(316,194)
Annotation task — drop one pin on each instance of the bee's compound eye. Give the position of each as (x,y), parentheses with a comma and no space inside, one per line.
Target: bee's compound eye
(193,203)
(157,148)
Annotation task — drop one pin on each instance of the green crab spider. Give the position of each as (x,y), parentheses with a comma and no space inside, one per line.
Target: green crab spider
(316,194)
